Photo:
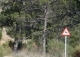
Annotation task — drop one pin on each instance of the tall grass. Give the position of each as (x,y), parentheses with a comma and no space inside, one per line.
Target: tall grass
(4,49)
(29,54)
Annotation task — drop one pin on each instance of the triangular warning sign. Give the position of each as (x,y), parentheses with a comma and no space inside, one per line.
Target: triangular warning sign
(66,32)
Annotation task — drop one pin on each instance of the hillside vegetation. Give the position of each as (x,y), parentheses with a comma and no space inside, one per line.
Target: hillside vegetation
(40,20)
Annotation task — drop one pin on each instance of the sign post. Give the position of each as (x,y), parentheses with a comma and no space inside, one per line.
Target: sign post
(65,46)
(65,33)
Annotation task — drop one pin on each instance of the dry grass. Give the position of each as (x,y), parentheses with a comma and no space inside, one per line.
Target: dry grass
(5,37)
(27,54)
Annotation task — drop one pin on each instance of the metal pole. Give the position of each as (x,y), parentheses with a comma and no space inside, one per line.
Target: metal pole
(65,46)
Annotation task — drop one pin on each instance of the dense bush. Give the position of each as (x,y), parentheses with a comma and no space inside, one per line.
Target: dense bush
(76,52)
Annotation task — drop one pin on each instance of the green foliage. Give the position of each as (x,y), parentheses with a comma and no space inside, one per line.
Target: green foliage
(74,38)
(11,32)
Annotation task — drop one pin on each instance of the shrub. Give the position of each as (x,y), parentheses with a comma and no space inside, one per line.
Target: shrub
(10,32)
(76,52)
(57,48)
(0,33)
(28,46)
(4,49)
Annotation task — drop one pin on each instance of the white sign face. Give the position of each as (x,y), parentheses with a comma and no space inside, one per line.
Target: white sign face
(65,32)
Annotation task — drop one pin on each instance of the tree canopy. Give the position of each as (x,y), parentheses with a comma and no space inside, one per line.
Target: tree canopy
(26,18)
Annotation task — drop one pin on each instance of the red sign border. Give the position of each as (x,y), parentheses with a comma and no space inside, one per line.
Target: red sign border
(67,30)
